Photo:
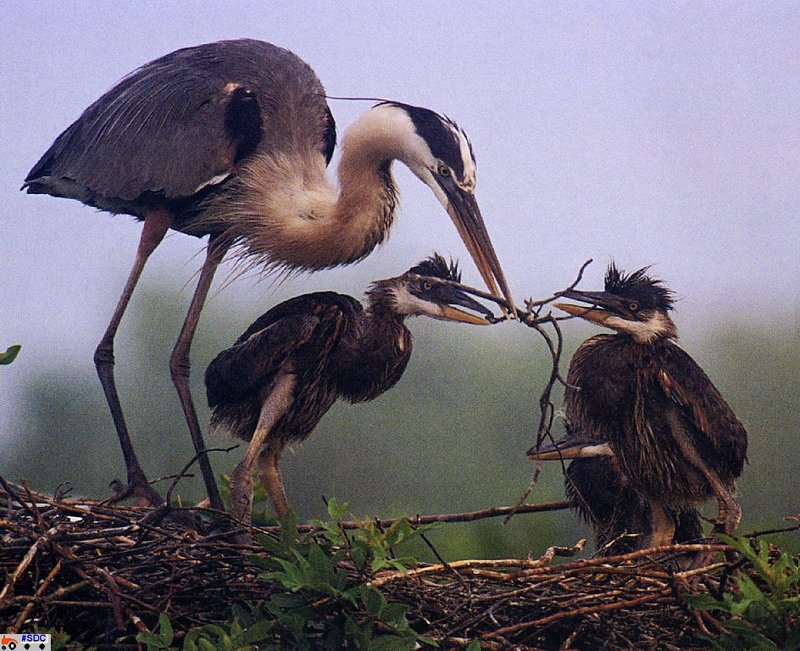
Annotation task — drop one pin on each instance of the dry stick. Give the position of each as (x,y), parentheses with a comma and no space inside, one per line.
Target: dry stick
(585,610)
(441,560)
(15,496)
(34,506)
(540,566)
(26,611)
(525,317)
(546,558)
(23,564)
(546,407)
(191,462)
(465,642)
(113,594)
(158,514)
(468,516)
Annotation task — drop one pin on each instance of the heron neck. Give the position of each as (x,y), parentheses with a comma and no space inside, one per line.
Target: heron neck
(286,212)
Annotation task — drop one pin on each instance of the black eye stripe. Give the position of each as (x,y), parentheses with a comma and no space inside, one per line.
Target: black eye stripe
(439,133)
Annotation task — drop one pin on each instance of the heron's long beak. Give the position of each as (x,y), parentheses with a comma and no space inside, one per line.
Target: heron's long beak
(585,312)
(449,297)
(454,314)
(466,215)
(592,311)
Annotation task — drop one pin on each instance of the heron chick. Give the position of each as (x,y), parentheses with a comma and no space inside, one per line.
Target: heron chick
(638,396)
(281,376)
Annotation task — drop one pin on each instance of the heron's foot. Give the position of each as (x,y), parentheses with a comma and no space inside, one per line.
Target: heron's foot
(728,516)
(138,489)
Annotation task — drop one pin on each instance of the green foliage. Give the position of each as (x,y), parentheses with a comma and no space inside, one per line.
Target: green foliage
(10,354)
(763,613)
(60,639)
(243,633)
(322,600)
(325,602)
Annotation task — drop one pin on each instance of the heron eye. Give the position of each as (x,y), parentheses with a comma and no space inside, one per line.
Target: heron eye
(444,170)
(427,286)
(633,307)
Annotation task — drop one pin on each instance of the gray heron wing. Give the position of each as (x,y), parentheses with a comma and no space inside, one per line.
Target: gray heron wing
(183,122)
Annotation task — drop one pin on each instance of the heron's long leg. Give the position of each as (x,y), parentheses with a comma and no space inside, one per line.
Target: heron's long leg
(277,403)
(179,365)
(156,224)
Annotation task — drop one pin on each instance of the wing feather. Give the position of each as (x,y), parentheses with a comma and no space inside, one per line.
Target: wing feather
(269,342)
(181,121)
(235,372)
(701,404)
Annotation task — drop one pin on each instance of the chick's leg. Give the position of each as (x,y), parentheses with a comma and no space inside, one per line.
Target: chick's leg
(276,404)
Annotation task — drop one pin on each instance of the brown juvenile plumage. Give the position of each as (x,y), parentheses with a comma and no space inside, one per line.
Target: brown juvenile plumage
(670,431)
(283,374)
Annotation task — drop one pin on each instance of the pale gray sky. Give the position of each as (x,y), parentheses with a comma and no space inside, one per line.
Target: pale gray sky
(664,133)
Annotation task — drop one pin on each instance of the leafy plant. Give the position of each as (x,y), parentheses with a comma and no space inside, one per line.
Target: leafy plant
(763,614)
(322,600)
(10,354)
(238,635)
(326,602)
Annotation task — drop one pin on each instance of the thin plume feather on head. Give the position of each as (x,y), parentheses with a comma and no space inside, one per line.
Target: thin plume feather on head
(437,267)
(640,285)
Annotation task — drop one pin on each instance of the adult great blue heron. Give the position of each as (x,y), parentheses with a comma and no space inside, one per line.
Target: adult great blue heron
(637,396)
(288,368)
(231,140)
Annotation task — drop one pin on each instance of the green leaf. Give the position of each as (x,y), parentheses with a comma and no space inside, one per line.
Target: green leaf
(749,588)
(475,645)
(321,566)
(704,602)
(165,629)
(337,510)
(289,533)
(392,643)
(204,645)
(269,543)
(10,354)
(150,639)
(258,632)
(374,602)
(394,614)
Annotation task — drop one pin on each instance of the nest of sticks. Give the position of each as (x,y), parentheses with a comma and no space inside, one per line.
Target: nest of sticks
(103,573)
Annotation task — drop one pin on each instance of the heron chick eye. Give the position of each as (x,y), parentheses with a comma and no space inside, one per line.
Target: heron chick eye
(633,307)
(427,286)
(444,170)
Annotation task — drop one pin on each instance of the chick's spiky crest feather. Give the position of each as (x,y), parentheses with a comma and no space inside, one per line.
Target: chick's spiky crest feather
(437,267)
(640,285)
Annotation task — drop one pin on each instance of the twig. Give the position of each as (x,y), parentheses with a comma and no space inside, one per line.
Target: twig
(26,611)
(189,464)
(23,564)
(543,560)
(585,610)
(417,520)
(12,493)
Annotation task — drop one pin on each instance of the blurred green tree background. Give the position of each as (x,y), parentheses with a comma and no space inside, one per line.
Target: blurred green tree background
(450,437)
